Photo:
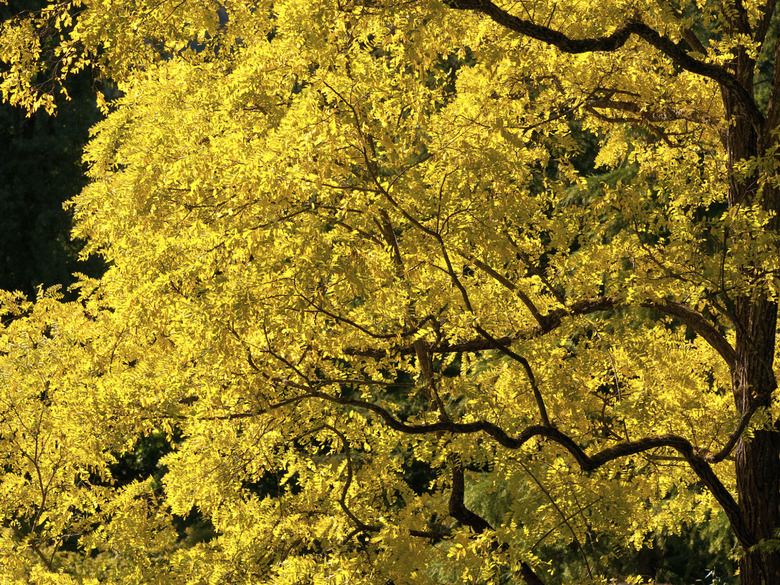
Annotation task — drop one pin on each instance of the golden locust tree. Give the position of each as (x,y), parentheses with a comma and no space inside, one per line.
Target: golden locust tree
(419,292)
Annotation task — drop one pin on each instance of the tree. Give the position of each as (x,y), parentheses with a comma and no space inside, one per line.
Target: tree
(395,323)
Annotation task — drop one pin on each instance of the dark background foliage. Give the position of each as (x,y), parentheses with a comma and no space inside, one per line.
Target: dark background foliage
(41,168)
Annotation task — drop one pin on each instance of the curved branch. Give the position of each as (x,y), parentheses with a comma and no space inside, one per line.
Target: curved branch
(359,524)
(680,311)
(553,320)
(458,509)
(699,324)
(550,321)
(695,460)
(744,420)
(528,372)
(477,523)
(613,42)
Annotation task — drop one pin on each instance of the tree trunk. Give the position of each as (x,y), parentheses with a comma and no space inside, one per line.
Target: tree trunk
(757,461)
(757,464)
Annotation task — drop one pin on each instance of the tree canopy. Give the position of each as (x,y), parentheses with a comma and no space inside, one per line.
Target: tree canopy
(416,292)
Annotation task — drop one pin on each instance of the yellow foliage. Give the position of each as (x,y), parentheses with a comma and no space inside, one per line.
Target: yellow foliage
(358,257)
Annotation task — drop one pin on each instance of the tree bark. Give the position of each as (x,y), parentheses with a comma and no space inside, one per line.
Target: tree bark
(757,464)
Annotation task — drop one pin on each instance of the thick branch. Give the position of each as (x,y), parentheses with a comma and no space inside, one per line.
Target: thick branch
(683,312)
(528,372)
(530,577)
(763,24)
(699,324)
(458,509)
(477,523)
(586,462)
(613,42)
(435,534)
(657,116)
(721,455)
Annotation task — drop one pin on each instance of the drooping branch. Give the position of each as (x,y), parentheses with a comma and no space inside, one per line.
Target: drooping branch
(614,41)
(359,524)
(692,456)
(699,324)
(458,509)
(528,372)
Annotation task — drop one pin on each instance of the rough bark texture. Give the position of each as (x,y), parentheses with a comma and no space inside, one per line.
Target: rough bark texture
(757,464)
